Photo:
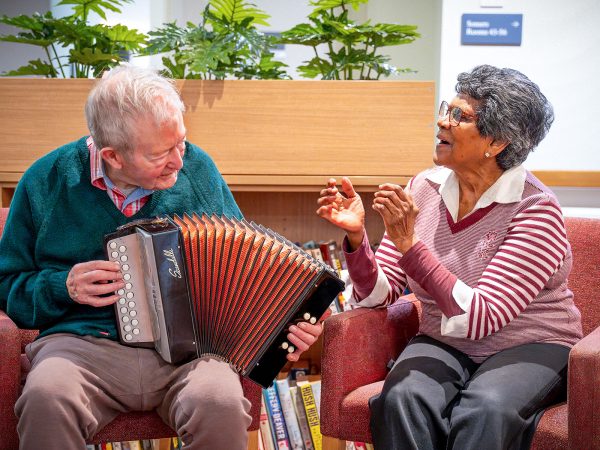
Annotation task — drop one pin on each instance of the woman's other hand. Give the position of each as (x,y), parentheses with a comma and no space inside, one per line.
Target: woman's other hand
(343,209)
(398,211)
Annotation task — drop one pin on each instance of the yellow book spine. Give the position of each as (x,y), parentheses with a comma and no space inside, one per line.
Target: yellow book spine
(312,414)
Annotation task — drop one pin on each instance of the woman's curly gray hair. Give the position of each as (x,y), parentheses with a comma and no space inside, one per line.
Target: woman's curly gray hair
(121,98)
(512,109)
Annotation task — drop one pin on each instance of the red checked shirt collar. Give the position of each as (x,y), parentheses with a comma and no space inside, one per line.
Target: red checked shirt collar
(128,204)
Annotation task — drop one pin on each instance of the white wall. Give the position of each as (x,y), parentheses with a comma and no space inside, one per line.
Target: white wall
(13,56)
(560,52)
(422,55)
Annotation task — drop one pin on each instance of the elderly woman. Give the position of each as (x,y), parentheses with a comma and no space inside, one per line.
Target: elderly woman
(481,242)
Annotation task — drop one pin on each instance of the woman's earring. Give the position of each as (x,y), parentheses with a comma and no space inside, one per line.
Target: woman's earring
(487,154)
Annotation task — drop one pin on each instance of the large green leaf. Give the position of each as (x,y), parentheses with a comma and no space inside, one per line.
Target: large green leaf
(323,5)
(304,34)
(35,67)
(20,39)
(82,8)
(236,11)
(90,56)
(129,39)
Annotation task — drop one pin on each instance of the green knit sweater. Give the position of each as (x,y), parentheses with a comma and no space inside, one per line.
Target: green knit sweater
(58,219)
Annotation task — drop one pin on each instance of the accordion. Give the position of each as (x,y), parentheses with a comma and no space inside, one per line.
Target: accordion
(216,286)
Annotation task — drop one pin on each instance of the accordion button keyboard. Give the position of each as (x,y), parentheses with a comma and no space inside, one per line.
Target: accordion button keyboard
(125,251)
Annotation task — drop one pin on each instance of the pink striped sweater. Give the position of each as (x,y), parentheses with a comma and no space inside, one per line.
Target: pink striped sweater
(505,265)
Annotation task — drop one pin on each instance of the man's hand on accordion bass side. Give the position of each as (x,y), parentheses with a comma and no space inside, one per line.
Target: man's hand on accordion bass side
(305,334)
(95,282)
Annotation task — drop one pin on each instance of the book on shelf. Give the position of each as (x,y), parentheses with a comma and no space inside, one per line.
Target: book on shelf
(316,387)
(265,427)
(301,416)
(276,419)
(312,414)
(282,387)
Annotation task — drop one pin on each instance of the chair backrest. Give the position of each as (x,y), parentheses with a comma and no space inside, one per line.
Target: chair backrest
(584,280)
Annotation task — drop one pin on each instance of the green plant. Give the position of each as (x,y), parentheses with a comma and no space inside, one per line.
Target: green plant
(226,43)
(92,48)
(351,49)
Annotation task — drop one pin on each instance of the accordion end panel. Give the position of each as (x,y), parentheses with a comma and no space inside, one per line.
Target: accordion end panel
(318,300)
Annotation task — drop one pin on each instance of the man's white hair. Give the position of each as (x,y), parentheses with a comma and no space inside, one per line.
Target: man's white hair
(124,96)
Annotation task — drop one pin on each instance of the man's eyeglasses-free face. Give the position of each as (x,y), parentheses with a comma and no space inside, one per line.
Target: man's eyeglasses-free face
(455,114)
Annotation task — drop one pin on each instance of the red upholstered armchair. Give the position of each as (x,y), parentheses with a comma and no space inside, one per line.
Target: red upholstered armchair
(14,366)
(358,344)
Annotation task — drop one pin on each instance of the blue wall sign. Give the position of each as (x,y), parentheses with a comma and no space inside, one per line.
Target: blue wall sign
(491,29)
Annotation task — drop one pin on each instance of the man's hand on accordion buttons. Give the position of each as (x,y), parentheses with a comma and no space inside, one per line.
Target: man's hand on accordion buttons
(95,282)
(305,334)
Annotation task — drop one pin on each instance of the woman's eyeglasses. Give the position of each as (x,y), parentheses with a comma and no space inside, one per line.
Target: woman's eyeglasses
(455,114)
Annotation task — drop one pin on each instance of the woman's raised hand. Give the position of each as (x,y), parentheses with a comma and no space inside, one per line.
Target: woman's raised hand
(398,211)
(343,209)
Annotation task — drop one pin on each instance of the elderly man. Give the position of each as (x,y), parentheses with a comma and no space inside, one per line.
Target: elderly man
(136,163)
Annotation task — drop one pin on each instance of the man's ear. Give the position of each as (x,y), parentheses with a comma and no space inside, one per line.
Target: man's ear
(113,158)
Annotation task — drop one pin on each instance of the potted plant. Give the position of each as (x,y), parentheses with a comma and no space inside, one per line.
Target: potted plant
(351,50)
(92,48)
(224,44)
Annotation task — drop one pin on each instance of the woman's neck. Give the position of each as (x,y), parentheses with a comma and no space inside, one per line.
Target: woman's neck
(472,185)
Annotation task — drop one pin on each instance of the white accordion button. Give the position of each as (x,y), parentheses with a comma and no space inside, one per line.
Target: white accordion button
(128,337)
(127,328)
(134,322)
(114,254)
(124,258)
(113,245)
(128,286)
(121,291)
(126,268)
(136,331)
(129,295)
(285,345)
(313,320)
(122,301)
(125,319)
(127,276)
(291,349)
(133,313)
(306,316)
(122,248)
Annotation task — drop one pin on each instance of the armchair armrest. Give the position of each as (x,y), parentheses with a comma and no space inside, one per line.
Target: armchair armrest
(583,393)
(357,345)
(10,378)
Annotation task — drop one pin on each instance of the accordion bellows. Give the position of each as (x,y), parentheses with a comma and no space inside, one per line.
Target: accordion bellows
(220,287)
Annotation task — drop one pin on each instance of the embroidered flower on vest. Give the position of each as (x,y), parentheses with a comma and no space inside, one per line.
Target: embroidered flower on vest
(487,244)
